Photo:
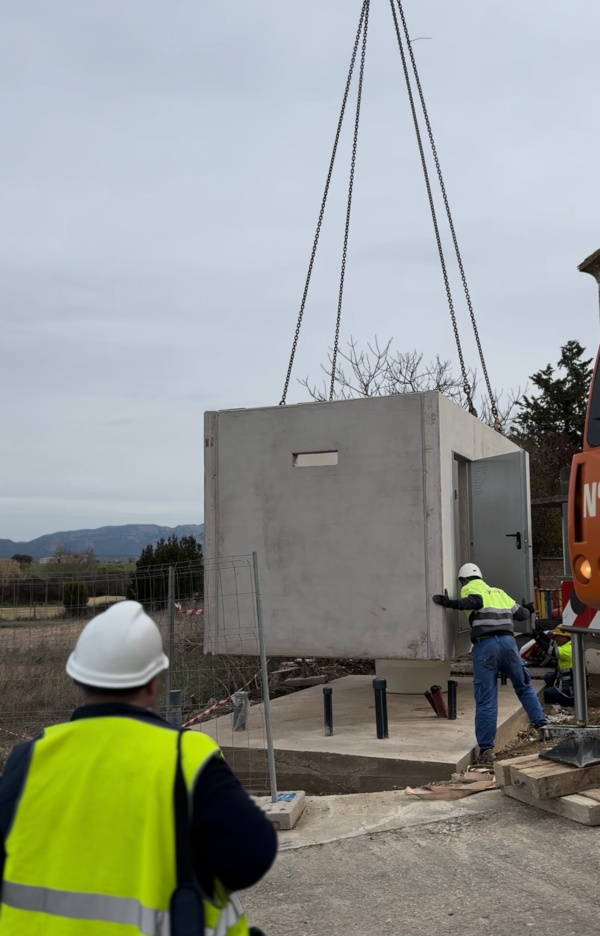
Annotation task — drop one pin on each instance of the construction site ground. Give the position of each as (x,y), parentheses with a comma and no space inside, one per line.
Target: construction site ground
(388,863)
(392,863)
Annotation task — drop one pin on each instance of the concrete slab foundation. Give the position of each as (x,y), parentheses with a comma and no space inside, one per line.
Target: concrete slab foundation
(420,747)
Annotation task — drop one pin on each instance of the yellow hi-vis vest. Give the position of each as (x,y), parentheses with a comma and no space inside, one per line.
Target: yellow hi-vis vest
(91,851)
(496,616)
(565,656)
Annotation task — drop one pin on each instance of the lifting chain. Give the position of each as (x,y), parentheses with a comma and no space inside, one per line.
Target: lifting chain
(363,15)
(463,369)
(362,30)
(336,342)
(494,408)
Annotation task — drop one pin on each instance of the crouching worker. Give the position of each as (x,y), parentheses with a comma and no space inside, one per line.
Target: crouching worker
(559,683)
(87,810)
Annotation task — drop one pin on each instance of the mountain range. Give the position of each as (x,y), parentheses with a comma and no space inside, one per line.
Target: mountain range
(109,542)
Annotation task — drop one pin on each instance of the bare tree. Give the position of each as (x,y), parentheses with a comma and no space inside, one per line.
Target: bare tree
(66,558)
(378,370)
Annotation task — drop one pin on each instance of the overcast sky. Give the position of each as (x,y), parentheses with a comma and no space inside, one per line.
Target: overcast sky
(162,166)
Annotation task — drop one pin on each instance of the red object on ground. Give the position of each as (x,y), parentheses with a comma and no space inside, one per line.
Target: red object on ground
(439,702)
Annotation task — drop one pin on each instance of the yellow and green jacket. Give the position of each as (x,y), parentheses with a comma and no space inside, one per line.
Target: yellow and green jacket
(87,829)
(490,611)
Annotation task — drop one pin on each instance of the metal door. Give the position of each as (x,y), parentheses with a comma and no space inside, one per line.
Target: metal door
(501,523)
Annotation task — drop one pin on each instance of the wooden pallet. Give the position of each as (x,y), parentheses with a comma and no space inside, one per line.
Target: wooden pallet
(571,792)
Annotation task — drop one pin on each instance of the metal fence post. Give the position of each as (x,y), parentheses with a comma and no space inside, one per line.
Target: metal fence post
(171,627)
(265,681)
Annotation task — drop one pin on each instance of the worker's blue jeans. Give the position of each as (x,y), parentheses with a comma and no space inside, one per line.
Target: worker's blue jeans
(500,655)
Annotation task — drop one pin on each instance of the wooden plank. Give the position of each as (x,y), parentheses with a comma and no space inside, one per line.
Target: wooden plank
(577,807)
(502,768)
(556,780)
(535,771)
(593,794)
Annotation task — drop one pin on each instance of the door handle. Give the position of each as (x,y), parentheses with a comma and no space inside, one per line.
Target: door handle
(517,536)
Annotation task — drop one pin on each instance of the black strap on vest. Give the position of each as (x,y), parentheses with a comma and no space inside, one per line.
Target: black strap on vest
(187,906)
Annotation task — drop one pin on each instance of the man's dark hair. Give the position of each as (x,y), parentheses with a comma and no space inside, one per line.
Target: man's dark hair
(118,695)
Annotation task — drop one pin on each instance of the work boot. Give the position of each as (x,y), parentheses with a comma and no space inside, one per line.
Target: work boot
(539,728)
(486,758)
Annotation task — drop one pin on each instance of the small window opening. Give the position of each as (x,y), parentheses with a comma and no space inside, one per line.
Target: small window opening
(314,459)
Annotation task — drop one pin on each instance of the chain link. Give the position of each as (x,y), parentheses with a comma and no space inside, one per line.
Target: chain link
(494,408)
(463,369)
(336,342)
(324,202)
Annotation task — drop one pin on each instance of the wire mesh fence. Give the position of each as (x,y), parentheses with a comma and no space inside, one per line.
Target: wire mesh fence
(209,617)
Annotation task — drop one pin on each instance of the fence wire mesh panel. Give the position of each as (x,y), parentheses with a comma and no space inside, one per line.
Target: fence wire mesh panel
(214,682)
(41,615)
(232,641)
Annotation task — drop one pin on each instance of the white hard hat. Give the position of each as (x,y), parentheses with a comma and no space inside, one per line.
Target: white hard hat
(469,570)
(119,649)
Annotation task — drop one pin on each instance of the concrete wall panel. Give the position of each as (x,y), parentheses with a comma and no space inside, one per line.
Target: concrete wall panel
(349,553)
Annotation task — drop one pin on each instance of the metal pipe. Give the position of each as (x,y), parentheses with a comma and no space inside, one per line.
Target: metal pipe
(439,701)
(175,712)
(264,673)
(241,707)
(452,687)
(381,718)
(579,679)
(328,710)
(429,698)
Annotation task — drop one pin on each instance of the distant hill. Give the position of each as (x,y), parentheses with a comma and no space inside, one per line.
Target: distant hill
(110,542)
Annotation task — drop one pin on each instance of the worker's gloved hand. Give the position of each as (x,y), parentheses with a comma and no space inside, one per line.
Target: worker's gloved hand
(529,606)
(441,600)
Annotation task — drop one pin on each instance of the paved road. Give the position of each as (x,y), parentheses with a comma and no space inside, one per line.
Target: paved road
(492,868)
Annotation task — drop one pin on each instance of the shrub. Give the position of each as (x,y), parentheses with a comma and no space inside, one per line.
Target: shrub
(75,598)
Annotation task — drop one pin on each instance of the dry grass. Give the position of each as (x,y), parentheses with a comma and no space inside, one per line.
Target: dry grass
(35,690)
(27,612)
(48,612)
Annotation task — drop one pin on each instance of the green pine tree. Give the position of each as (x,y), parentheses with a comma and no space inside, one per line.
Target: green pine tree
(550,427)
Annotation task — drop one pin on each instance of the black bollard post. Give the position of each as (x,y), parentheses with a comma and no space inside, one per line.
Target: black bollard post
(328,710)
(452,687)
(503,679)
(380,685)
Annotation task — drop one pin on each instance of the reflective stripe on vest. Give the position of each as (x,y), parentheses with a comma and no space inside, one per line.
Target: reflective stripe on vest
(496,616)
(105,909)
(78,906)
(93,836)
